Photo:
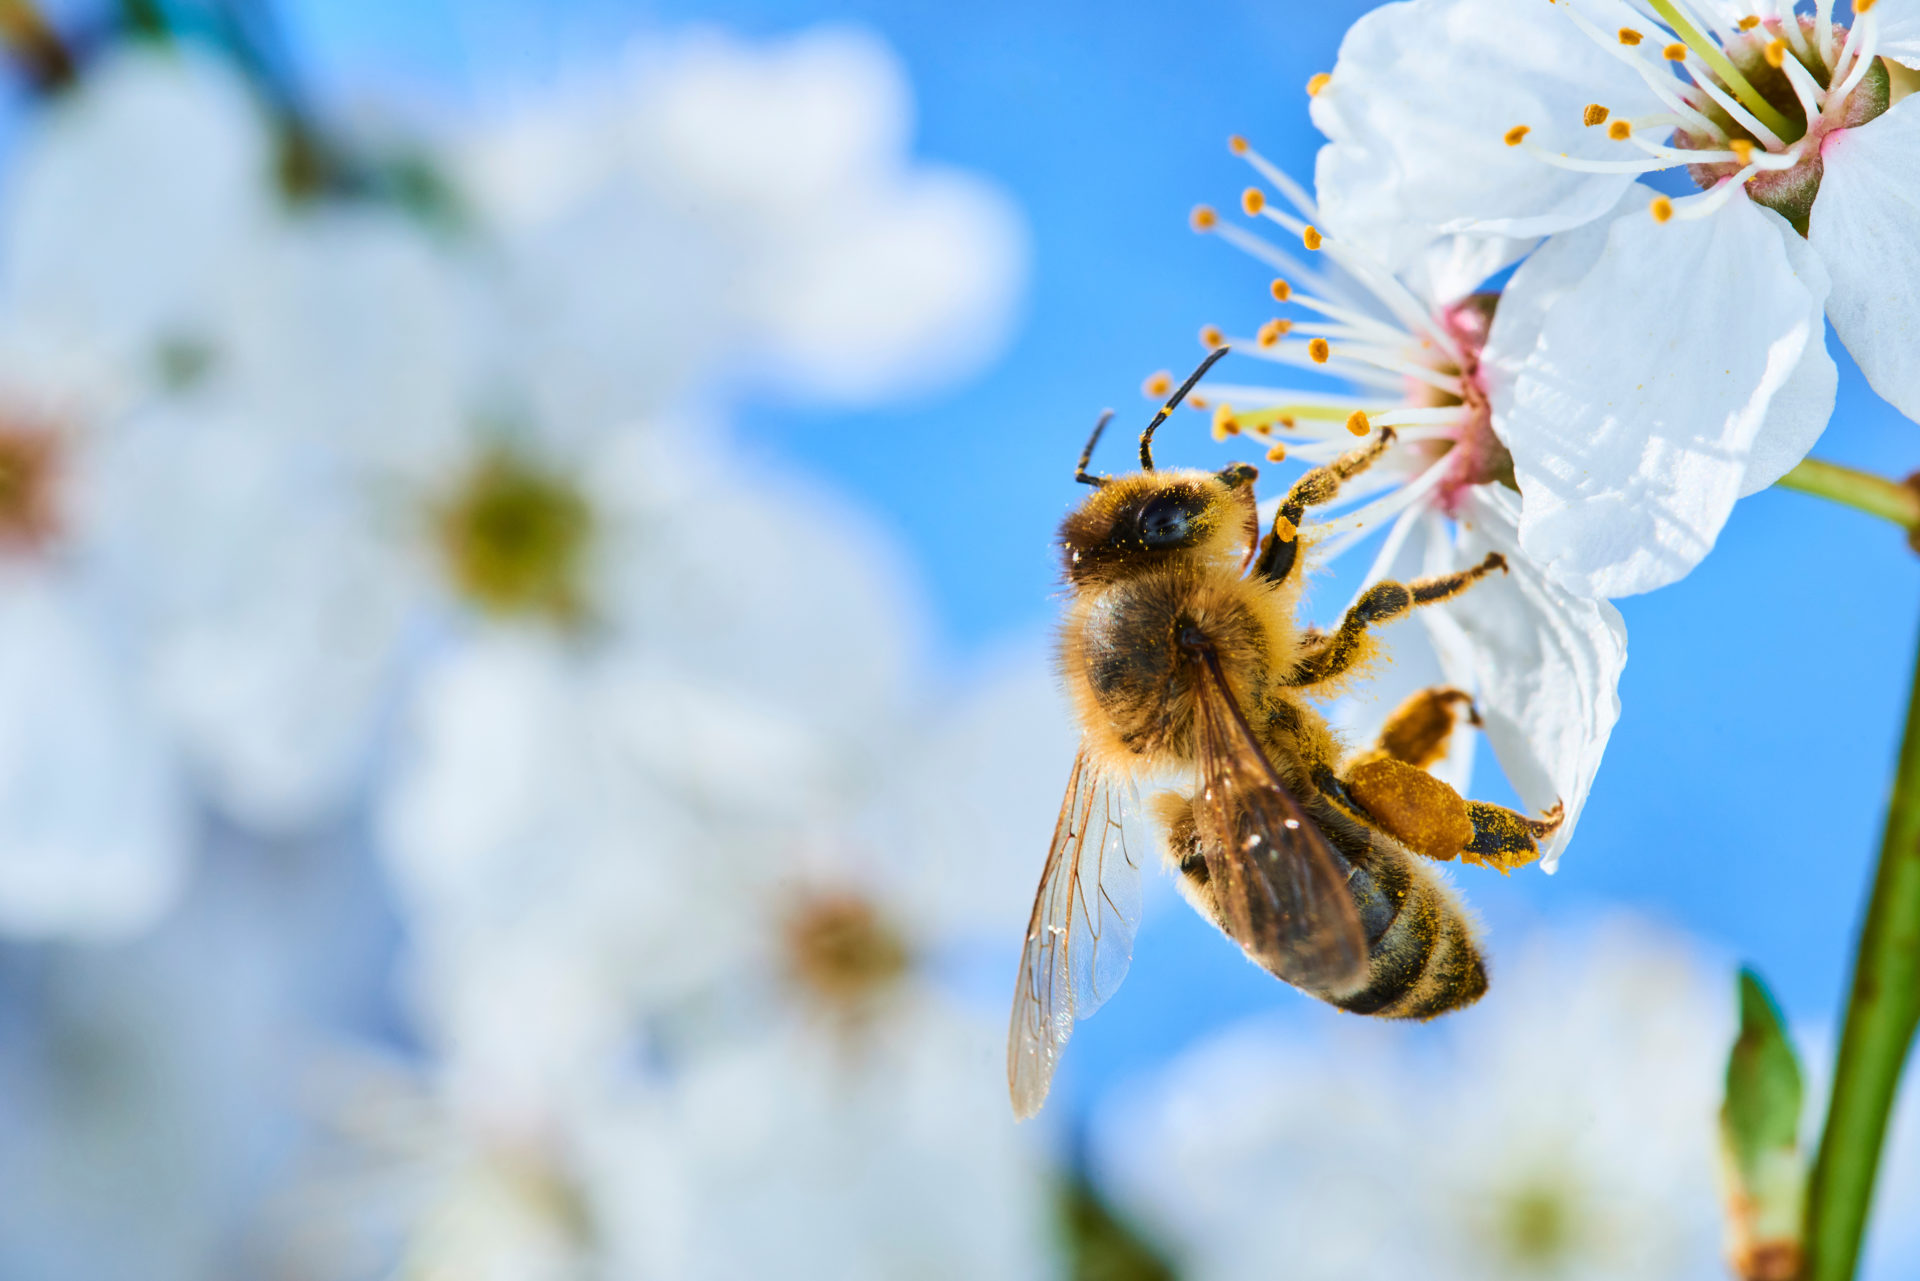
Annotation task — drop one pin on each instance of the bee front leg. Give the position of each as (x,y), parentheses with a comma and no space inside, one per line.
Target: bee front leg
(1281,550)
(1383,602)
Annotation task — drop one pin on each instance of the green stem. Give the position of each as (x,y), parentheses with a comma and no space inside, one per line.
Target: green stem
(1875,495)
(1729,74)
(1881,1018)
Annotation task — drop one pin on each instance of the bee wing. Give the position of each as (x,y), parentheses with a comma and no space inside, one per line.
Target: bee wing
(1281,890)
(1080,936)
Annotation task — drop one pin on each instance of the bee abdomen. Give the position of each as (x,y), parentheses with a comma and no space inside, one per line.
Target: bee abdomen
(1422,958)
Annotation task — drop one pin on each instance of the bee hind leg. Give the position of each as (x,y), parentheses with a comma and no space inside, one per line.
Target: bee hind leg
(1504,840)
(1419,730)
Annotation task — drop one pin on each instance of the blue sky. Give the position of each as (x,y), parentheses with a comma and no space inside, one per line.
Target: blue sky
(1741,796)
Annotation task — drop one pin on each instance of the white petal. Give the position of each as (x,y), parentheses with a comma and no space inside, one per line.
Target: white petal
(1546,664)
(93,828)
(1863,227)
(1421,98)
(1899,31)
(1640,371)
(130,205)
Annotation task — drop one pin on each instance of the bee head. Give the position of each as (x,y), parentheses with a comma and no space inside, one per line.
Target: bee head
(1135,523)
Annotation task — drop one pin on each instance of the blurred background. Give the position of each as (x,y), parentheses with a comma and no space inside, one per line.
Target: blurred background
(526,727)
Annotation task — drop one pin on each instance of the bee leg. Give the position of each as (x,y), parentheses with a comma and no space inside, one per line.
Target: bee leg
(1420,728)
(1185,855)
(1321,485)
(1381,603)
(1504,840)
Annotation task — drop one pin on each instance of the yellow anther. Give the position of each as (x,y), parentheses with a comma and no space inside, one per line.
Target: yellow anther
(1319,349)
(1286,421)
(1203,218)
(1157,385)
(1273,331)
(1357,423)
(1661,208)
(1323,79)
(1595,114)
(1630,37)
(1253,200)
(1237,145)
(1751,21)
(1285,530)
(1743,150)
(1197,402)
(1278,454)
(1861,6)
(1312,238)
(1223,422)
(1775,53)
(1282,291)
(1619,130)
(1675,52)
(1518,134)
(1211,337)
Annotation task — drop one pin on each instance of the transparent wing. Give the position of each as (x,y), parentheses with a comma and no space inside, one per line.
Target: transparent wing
(1080,936)
(1281,891)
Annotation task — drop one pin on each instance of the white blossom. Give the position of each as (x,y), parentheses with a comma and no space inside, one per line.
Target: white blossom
(1669,354)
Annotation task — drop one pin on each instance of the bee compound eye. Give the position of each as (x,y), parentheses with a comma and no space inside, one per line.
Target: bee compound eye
(1166,521)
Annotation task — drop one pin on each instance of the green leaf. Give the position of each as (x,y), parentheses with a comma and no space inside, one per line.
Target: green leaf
(1102,1246)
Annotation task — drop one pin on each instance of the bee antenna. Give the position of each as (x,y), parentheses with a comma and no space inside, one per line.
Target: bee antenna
(1086,455)
(1173,403)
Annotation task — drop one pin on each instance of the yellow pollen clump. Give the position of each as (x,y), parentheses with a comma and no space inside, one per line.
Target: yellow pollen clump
(1743,149)
(1619,131)
(1312,238)
(1285,530)
(1749,22)
(1237,145)
(1157,385)
(1675,52)
(1357,423)
(1273,331)
(1595,114)
(1518,134)
(1630,37)
(1278,454)
(1319,349)
(1775,53)
(1223,422)
(1211,337)
(1203,218)
(1282,291)
(1323,79)
(1253,200)
(1661,208)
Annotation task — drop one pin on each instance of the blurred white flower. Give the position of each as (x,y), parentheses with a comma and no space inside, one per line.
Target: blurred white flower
(1564,1130)
(132,204)
(1543,663)
(752,205)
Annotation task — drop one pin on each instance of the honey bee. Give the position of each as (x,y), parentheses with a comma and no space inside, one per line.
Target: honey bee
(1184,659)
